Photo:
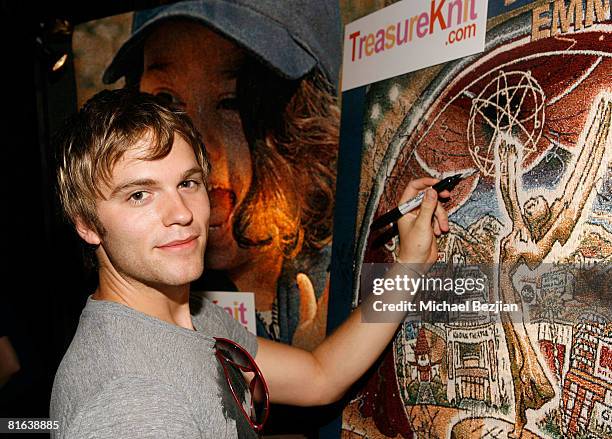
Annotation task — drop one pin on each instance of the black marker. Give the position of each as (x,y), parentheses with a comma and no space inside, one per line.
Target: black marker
(393,215)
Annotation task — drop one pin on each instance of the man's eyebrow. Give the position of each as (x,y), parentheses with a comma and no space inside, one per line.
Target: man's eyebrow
(148,182)
(143,182)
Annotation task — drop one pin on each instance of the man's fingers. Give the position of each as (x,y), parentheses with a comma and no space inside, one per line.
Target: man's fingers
(407,220)
(428,207)
(441,216)
(416,186)
(436,227)
(444,194)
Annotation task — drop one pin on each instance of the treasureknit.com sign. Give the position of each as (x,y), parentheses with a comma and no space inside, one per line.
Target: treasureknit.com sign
(410,35)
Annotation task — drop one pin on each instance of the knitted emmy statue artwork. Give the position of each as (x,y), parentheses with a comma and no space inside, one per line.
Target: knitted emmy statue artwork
(530,117)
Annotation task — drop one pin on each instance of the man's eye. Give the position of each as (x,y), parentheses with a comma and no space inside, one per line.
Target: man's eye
(230,103)
(169,99)
(138,197)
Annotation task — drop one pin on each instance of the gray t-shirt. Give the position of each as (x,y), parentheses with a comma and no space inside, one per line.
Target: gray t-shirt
(129,375)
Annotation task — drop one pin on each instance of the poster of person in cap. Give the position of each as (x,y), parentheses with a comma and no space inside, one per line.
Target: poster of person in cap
(259,81)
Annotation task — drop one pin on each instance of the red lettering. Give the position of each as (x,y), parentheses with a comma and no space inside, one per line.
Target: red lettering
(436,15)
(353,37)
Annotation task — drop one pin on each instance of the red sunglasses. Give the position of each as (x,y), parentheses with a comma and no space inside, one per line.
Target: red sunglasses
(256,404)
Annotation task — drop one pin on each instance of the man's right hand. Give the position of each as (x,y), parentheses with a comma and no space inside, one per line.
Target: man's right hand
(418,229)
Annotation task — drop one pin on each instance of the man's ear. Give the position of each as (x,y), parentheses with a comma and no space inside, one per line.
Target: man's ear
(89,235)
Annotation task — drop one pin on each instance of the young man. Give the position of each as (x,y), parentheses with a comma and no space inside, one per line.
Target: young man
(132,178)
(258,79)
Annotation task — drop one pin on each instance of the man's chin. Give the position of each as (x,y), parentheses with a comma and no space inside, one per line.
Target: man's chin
(183,277)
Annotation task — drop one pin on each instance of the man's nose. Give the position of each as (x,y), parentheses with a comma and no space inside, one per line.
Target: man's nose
(176,210)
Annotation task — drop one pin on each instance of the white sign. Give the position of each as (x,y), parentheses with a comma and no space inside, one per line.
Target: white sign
(470,335)
(410,35)
(241,306)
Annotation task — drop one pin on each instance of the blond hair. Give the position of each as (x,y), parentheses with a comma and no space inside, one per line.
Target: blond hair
(94,140)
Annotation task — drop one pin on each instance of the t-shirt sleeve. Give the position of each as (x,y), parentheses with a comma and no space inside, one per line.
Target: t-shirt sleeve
(133,407)
(241,335)
(233,329)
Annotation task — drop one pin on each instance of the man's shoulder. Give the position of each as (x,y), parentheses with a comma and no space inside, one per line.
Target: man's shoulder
(85,367)
(207,316)
(94,349)
(215,321)
(103,349)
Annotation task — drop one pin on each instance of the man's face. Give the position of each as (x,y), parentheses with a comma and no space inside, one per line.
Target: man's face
(155,217)
(197,69)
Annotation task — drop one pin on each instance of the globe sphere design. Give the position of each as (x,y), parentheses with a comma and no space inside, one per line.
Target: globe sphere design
(511,104)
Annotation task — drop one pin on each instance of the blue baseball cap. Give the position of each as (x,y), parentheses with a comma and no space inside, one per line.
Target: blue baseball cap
(292,37)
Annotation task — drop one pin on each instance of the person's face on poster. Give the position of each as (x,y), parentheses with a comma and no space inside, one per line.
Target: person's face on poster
(197,69)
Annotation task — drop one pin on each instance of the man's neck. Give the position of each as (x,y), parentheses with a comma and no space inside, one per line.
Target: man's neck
(168,303)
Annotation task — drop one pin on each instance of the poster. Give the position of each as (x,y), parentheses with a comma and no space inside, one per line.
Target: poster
(407,36)
(530,119)
(271,200)
(239,305)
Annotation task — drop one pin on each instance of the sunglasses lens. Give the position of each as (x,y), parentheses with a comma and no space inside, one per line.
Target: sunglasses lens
(253,397)
(235,355)
(260,402)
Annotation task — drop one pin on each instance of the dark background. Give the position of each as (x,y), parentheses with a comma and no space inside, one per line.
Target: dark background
(45,286)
